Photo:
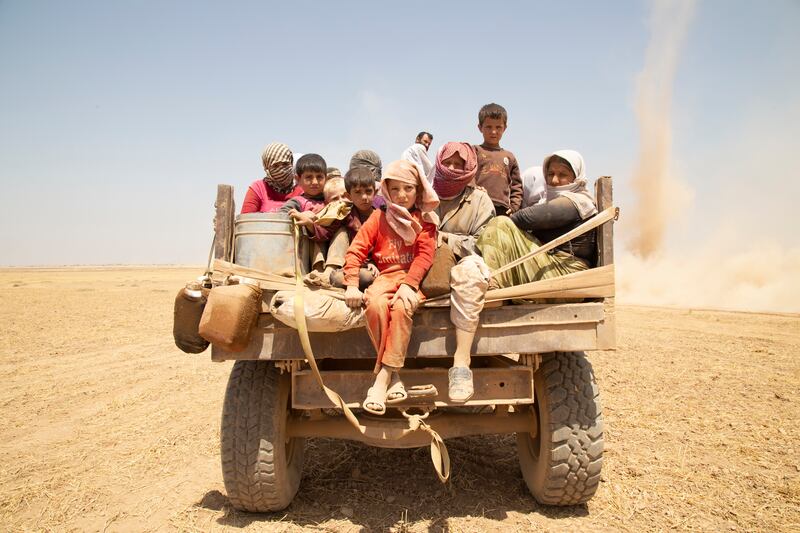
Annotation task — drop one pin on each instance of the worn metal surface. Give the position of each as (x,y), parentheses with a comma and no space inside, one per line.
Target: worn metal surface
(386,432)
(530,329)
(264,241)
(493,386)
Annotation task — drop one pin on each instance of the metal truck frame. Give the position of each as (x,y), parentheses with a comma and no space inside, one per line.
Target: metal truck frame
(531,378)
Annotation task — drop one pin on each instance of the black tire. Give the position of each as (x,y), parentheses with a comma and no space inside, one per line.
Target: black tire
(561,463)
(260,466)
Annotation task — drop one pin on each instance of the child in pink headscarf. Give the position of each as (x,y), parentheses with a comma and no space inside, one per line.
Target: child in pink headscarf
(402,239)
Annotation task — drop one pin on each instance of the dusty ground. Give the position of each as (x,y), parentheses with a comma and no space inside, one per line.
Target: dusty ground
(107,426)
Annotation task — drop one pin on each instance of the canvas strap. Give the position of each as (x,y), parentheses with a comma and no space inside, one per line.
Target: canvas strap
(439,455)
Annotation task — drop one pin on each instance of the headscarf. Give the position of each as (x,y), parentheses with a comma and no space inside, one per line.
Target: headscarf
(418,154)
(282,180)
(399,218)
(534,188)
(450,183)
(367,159)
(576,191)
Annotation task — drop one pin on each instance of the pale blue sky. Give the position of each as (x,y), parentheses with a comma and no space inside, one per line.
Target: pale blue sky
(117,119)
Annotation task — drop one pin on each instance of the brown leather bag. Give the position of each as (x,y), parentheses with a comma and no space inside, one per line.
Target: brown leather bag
(437,281)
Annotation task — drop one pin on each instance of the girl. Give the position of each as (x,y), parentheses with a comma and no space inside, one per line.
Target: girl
(402,239)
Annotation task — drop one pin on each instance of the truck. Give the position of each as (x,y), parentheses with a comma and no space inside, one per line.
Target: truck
(532,378)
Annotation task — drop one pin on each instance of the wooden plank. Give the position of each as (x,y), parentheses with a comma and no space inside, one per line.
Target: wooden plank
(493,386)
(223,222)
(605,233)
(560,286)
(278,342)
(607,329)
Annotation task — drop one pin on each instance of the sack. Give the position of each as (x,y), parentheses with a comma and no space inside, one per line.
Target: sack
(324,313)
(230,316)
(189,304)
(437,281)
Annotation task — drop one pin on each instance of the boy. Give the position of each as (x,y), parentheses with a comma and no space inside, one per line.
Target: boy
(311,176)
(498,171)
(359,184)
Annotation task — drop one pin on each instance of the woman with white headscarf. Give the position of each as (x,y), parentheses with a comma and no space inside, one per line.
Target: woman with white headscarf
(568,204)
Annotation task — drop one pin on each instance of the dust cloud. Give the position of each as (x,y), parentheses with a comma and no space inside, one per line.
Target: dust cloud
(660,195)
(742,262)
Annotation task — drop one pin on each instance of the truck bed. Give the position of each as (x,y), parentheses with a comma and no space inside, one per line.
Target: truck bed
(527,328)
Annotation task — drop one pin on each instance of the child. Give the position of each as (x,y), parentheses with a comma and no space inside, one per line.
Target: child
(334,189)
(268,194)
(311,173)
(359,183)
(498,171)
(402,239)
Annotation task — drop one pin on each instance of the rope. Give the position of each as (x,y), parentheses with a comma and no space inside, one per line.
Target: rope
(439,455)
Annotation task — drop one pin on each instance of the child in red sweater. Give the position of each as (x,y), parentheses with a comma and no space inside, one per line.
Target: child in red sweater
(402,239)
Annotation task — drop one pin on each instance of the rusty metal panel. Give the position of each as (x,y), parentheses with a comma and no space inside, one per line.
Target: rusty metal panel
(493,386)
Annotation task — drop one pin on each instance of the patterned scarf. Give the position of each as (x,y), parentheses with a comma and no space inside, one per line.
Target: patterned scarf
(279,172)
(398,217)
(367,159)
(450,183)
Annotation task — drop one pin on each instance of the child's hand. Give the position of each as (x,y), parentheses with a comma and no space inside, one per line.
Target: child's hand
(373,269)
(353,297)
(305,219)
(408,296)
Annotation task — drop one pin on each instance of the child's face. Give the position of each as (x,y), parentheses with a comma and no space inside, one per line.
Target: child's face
(362,197)
(559,174)
(402,193)
(334,194)
(312,182)
(454,162)
(492,130)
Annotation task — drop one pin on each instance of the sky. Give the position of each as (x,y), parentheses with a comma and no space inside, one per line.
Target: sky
(118,119)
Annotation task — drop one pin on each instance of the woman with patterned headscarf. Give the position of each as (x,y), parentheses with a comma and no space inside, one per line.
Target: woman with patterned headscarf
(268,194)
(464,212)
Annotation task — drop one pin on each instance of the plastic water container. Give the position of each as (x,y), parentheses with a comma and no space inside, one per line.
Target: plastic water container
(264,241)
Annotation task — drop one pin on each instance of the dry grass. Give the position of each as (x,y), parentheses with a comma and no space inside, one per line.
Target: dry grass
(107,426)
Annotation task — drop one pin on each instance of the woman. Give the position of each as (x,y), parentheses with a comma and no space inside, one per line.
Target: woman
(268,194)
(464,212)
(568,204)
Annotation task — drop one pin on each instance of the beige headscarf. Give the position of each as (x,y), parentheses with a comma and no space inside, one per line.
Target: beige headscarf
(399,217)
(576,191)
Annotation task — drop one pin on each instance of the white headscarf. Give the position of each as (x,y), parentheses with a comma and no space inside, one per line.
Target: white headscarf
(576,191)
(534,189)
(418,154)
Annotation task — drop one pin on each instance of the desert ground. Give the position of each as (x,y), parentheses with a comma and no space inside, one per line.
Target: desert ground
(107,426)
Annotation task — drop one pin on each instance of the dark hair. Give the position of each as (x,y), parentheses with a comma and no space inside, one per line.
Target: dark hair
(311,163)
(422,134)
(492,111)
(359,177)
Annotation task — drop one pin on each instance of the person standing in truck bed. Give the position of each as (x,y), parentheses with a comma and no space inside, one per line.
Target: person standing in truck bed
(498,171)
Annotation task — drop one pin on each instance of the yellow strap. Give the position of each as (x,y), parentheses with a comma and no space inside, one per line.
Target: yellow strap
(439,455)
